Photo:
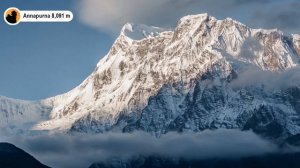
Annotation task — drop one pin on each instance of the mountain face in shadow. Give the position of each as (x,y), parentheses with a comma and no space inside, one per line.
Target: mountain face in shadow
(13,157)
(290,160)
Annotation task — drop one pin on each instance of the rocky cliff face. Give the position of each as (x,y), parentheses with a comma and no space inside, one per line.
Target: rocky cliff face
(160,80)
(296,43)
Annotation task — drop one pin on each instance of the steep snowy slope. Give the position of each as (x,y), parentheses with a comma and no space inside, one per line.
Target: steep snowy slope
(20,116)
(157,81)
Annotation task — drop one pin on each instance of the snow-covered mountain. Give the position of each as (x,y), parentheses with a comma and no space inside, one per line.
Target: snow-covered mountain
(20,116)
(186,79)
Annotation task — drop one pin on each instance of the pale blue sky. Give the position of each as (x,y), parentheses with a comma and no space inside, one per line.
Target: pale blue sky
(38,60)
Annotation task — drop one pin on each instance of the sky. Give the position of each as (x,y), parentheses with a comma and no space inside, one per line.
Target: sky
(40,60)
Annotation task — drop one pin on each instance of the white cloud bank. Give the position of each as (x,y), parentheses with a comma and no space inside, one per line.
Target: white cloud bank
(110,15)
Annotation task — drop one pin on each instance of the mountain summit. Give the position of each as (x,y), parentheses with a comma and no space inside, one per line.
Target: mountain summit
(140,31)
(195,77)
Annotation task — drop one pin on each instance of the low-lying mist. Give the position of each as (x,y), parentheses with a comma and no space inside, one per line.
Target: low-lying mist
(253,76)
(79,151)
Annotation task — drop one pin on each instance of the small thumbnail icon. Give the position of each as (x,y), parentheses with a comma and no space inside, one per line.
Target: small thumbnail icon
(12,16)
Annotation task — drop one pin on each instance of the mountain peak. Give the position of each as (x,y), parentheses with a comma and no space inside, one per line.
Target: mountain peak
(197,16)
(140,31)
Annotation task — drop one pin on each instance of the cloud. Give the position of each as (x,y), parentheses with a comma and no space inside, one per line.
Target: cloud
(253,76)
(82,150)
(283,15)
(111,15)
(250,46)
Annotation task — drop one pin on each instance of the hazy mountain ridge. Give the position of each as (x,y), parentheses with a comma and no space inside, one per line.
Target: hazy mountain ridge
(13,157)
